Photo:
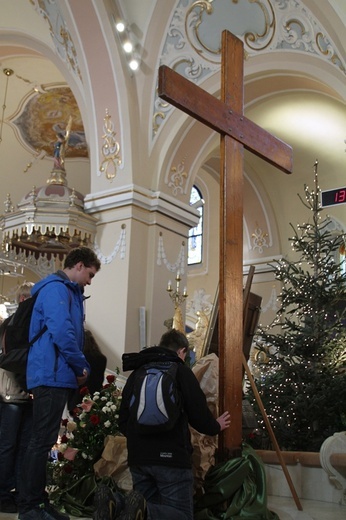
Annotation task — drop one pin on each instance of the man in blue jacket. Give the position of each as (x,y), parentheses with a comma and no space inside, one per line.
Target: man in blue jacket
(56,364)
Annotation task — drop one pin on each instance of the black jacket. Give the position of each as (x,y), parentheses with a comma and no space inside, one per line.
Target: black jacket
(172,448)
(13,388)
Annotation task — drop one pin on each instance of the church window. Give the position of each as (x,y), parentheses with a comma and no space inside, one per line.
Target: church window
(195,242)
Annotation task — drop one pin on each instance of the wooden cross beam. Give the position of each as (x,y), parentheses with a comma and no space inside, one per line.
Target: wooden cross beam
(226,117)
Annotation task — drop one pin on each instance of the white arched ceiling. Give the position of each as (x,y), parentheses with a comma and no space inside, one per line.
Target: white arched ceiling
(290,59)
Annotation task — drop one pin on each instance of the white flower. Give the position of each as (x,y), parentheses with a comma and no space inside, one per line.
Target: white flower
(71,426)
(109,403)
(84,455)
(113,407)
(96,397)
(107,424)
(105,409)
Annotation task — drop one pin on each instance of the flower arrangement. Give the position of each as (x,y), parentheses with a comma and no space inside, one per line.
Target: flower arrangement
(82,441)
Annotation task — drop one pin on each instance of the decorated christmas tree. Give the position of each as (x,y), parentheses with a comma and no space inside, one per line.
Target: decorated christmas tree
(303,384)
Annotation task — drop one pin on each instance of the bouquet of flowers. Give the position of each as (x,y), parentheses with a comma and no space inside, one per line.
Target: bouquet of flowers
(82,441)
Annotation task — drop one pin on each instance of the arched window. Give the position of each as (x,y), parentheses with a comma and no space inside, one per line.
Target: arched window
(195,243)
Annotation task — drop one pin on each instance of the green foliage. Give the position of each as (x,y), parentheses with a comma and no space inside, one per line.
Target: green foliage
(303,386)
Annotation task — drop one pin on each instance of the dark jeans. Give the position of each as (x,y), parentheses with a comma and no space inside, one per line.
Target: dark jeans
(48,407)
(15,432)
(168,491)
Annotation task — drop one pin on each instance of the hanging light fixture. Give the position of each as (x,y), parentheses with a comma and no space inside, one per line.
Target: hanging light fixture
(8,73)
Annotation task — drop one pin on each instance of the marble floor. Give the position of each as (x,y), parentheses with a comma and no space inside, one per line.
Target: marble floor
(285,508)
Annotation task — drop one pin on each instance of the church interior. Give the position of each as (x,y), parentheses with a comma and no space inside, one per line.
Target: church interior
(140,180)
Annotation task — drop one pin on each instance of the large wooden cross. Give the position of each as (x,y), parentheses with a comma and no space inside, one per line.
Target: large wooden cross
(226,117)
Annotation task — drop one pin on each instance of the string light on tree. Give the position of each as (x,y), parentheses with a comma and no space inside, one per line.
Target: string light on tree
(306,343)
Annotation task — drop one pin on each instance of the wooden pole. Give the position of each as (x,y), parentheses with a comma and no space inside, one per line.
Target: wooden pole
(271,434)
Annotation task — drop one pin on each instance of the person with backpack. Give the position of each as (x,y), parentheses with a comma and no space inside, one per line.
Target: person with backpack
(16,422)
(159,450)
(56,364)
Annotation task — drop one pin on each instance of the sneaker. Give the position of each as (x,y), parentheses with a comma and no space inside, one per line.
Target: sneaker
(37,513)
(8,505)
(58,515)
(135,507)
(107,505)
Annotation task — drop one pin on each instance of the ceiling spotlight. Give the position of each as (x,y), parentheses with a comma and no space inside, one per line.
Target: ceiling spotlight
(134,64)
(120,26)
(127,46)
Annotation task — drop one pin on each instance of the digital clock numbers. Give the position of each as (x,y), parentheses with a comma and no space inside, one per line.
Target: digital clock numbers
(333,197)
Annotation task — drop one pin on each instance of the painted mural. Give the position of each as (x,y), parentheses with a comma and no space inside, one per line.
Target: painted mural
(45,115)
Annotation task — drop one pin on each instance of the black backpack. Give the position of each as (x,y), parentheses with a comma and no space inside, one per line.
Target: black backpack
(14,337)
(156,403)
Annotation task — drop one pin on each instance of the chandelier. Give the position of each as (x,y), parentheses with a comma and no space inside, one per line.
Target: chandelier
(49,221)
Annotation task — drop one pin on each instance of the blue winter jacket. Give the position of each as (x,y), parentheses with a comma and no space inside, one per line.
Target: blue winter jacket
(56,358)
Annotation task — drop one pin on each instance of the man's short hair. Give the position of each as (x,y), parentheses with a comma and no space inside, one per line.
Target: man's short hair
(174,340)
(24,291)
(82,254)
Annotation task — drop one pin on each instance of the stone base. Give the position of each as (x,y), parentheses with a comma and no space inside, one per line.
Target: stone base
(310,480)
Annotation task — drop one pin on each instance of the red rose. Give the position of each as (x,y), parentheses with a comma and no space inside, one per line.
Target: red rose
(60,456)
(110,378)
(94,419)
(64,422)
(64,439)
(84,390)
(76,411)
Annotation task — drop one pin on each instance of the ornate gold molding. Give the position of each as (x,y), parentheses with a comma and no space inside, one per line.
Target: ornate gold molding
(110,149)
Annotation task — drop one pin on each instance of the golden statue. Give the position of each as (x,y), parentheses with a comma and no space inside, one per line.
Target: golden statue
(58,174)
(61,146)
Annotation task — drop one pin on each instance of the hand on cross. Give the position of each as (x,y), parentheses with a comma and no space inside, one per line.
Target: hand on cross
(224,420)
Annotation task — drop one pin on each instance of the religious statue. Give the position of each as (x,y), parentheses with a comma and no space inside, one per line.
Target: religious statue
(60,147)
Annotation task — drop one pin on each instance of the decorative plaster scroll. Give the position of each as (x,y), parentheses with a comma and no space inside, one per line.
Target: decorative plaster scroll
(259,240)
(50,11)
(177,179)
(179,264)
(110,150)
(192,43)
(119,246)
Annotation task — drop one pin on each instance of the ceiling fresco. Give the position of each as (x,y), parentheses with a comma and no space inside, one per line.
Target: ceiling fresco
(44,115)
